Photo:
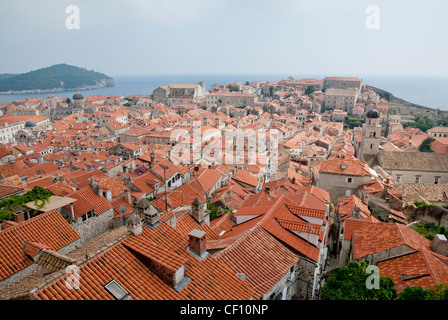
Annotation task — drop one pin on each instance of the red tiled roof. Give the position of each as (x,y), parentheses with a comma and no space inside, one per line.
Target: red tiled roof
(422,268)
(260,257)
(41,182)
(208,178)
(352,167)
(6,191)
(185,223)
(222,223)
(49,228)
(184,195)
(210,279)
(350,225)
(283,209)
(382,236)
(11,169)
(60,189)
(244,176)
(88,200)
(15,181)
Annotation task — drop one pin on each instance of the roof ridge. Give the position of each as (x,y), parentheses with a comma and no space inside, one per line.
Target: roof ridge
(403,237)
(428,264)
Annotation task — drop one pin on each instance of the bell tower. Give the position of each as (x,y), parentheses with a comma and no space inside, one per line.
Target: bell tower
(371,135)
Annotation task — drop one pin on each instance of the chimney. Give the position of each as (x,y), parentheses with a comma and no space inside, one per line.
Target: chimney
(19,217)
(439,244)
(155,257)
(134,224)
(356,212)
(91,183)
(99,189)
(152,217)
(197,243)
(127,195)
(108,195)
(219,212)
(197,210)
(268,189)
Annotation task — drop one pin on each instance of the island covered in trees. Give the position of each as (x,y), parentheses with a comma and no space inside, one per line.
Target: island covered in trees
(60,77)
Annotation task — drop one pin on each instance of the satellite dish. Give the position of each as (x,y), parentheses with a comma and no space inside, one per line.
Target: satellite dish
(242,276)
(122,209)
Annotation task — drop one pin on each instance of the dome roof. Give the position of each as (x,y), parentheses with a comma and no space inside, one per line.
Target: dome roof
(30,124)
(78,96)
(373,114)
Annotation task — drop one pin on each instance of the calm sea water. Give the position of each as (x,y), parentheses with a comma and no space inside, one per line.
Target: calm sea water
(427,91)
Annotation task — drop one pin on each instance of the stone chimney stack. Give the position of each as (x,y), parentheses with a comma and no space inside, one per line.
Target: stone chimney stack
(356,212)
(99,189)
(127,195)
(134,224)
(197,210)
(152,217)
(153,160)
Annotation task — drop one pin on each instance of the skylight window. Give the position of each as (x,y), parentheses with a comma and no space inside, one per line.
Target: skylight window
(116,290)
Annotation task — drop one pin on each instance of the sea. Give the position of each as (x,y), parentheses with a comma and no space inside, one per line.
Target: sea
(430,92)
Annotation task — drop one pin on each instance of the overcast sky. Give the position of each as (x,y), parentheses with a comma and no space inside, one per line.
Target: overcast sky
(142,37)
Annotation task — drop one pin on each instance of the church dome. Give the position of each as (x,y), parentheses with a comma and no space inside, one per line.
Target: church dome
(30,124)
(373,114)
(78,96)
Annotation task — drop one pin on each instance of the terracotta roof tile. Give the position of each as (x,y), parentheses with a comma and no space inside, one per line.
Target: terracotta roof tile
(422,268)
(88,200)
(49,229)
(378,237)
(127,263)
(6,191)
(260,257)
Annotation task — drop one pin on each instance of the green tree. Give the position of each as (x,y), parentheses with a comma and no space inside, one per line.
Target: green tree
(423,123)
(234,88)
(426,145)
(438,292)
(435,292)
(309,90)
(350,283)
(212,209)
(442,123)
(413,293)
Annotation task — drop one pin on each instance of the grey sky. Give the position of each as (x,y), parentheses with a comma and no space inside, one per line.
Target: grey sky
(131,37)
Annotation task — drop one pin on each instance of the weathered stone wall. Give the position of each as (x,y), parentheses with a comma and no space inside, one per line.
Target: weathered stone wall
(95,226)
(436,215)
(306,275)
